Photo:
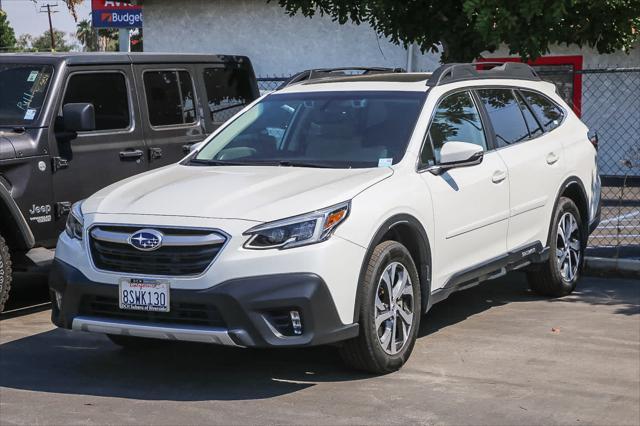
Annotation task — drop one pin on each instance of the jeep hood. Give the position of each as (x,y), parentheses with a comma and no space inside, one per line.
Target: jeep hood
(256,193)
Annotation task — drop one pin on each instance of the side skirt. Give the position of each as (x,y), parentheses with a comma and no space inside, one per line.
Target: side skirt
(494,268)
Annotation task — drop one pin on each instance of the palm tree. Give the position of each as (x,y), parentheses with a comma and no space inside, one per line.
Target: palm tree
(87,35)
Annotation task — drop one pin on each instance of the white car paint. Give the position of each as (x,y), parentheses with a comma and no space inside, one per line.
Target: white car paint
(470,215)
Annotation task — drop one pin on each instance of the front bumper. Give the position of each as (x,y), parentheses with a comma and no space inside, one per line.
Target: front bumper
(246,310)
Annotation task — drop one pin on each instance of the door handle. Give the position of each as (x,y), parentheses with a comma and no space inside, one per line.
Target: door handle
(498,176)
(552,157)
(130,155)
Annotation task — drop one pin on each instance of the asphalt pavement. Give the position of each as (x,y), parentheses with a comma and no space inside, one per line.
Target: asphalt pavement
(495,354)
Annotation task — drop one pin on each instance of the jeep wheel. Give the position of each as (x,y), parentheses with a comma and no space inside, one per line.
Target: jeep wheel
(558,275)
(389,312)
(5,273)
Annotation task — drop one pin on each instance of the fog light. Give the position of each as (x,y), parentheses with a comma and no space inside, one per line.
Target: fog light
(296,322)
(58,299)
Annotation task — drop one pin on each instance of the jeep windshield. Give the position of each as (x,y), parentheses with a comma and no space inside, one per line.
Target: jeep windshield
(319,129)
(23,89)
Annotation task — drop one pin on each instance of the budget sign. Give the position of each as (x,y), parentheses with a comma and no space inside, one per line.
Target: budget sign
(115,14)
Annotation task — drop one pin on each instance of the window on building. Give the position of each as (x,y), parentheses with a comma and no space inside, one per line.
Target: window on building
(108,94)
(549,114)
(505,115)
(456,119)
(229,89)
(170,98)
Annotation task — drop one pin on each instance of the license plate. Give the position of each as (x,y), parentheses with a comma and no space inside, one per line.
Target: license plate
(141,294)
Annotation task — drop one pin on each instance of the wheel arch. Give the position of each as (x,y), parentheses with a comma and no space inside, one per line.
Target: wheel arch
(408,231)
(13,226)
(573,188)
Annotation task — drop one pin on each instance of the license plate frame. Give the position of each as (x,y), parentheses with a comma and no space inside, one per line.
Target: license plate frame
(143,294)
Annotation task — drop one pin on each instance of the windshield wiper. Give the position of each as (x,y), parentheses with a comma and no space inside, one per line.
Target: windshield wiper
(219,162)
(289,163)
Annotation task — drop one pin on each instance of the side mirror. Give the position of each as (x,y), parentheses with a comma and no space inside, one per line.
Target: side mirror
(195,146)
(78,117)
(457,154)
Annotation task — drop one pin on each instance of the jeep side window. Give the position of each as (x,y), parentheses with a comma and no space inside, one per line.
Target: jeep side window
(107,92)
(170,98)
(456,119)
(228,90)
(549,114)
(505,114)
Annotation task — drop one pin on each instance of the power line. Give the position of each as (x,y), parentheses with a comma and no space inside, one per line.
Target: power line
(47,8)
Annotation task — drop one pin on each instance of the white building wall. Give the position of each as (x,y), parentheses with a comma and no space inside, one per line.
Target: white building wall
(276,43)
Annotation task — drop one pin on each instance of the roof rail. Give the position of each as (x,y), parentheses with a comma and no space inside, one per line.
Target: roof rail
(451,73)
(317,73)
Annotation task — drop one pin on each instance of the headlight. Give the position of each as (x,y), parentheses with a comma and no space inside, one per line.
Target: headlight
(75,221)
(298,231)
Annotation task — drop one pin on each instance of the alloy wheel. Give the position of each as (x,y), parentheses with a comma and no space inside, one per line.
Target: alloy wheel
(568,246)
(394,308)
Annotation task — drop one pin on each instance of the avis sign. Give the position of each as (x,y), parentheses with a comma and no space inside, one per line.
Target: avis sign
(115,14)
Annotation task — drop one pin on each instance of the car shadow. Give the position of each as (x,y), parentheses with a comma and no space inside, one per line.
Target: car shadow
(61,361)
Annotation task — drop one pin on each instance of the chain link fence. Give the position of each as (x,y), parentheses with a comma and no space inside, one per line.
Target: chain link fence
(611,107)
(609,102)
(269,84)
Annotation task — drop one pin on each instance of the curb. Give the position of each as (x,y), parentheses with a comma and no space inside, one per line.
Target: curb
(612,266)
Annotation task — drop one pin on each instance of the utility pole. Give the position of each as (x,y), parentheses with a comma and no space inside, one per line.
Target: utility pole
(49,12)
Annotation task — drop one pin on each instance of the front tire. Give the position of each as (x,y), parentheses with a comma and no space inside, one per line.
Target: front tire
(5,273)
(559,274)
(389,312)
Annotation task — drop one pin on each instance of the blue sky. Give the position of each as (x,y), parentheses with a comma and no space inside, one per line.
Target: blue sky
(24,17)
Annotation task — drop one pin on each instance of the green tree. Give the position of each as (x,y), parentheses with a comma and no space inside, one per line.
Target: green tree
(466,28)
(7,35)
(24,42)
(43,42)
(87,36)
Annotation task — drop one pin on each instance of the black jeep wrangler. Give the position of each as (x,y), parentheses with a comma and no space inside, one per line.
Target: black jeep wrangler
(73,123)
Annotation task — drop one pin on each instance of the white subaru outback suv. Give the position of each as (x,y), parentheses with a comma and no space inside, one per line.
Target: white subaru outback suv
(338,210)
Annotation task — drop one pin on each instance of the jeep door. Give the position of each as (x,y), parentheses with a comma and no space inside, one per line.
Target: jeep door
(470,204)
(114,150)
(171,110)
(534,158)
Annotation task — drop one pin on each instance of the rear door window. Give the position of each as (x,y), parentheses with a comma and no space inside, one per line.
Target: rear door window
(170,98)
(505,115)
(549,114)
(229,88)
(108,93)
(534,128)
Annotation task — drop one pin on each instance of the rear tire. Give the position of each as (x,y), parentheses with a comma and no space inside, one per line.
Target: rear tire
(391,299)
(559,274)
(5,273)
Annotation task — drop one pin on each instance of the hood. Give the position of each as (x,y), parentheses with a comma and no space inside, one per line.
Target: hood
(23,142)
(6,148)
(257,193)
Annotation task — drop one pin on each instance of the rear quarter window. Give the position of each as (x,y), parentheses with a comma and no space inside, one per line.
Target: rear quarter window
(549,114)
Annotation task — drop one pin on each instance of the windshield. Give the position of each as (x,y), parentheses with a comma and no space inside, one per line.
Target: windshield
(23,89)
(322,129)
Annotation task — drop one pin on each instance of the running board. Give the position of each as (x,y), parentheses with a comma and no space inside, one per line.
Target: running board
(494,268)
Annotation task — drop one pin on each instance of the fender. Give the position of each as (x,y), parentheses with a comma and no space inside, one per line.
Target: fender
(13,222)
(424,268)
(584,208)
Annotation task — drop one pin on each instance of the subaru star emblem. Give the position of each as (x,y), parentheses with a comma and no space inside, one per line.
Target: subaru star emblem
(146,239)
